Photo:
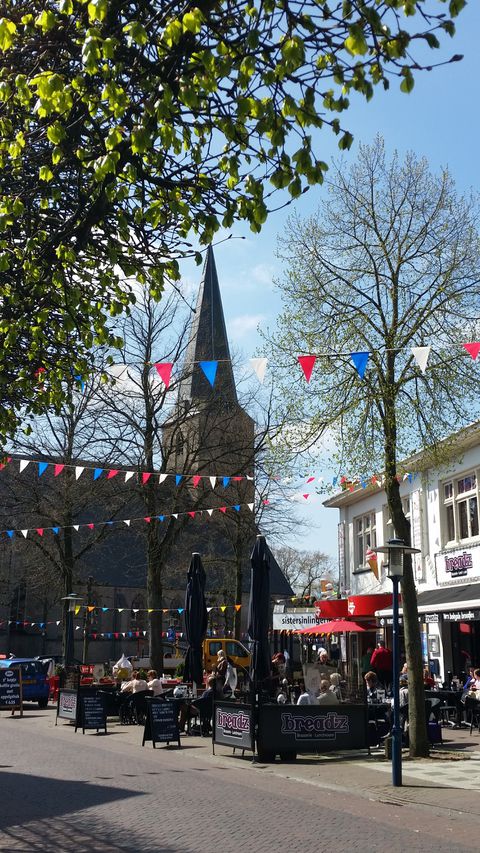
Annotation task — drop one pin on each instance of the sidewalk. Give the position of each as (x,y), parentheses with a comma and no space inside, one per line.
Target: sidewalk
(449,781)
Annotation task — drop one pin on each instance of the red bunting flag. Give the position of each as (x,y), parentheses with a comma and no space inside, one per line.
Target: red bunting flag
(191,514)
(306,496)
(222,509)
(145,478)
(307,363)
(90,526)
(164,371)
(473,349)
(112,473)
(147,518)
(310,479)
(196,479)
(39,531)
(58,470)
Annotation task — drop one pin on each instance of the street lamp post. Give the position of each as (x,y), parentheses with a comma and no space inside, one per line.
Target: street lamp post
(73,601)
(395,550)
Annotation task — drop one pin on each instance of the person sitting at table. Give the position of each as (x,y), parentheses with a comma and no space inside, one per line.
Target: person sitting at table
(305,698)
(135,685)
(404,674)
(428,678)
(475,683)
(154,682)
(470,678)
(203,706)
(371,684)
(335,681)
(326,697)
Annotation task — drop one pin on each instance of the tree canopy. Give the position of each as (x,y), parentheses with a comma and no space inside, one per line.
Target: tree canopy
(127,127)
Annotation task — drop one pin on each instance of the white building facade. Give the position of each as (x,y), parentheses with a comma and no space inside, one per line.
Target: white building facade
(443,507)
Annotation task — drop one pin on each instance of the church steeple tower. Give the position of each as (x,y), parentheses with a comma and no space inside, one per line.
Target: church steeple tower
(208,342)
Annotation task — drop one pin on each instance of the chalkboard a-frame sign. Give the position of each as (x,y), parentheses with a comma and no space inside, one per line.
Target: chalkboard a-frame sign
(161,722)
(11,689)
(92,713)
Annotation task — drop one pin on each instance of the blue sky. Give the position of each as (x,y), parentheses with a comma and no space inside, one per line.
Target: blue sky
(439,119)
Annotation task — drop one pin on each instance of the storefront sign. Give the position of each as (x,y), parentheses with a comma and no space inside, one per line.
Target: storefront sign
(310,728)
(431,618)
(295,621)
(233,725)
(462,616)
(458,564)
(10,688)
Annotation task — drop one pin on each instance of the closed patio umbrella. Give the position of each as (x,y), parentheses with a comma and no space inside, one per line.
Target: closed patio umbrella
(196,619)
(259,610)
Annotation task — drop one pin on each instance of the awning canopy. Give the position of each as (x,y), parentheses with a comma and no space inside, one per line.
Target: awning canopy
(444,599)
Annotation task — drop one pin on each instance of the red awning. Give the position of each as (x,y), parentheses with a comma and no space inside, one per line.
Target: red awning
(337,626)
(334,608)
(367,605)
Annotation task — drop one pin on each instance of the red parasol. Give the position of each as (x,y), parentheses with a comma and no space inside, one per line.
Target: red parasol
(337,626)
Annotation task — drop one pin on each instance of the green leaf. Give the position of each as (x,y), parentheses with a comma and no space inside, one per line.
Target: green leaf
(408,82)
(356,43)
(7,33)
(136,32)
(45,173)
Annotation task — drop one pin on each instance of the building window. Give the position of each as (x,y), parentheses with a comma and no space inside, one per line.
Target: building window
(365,537)
(460,505)
(390,532)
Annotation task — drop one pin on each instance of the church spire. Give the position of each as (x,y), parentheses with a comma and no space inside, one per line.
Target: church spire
(208,342)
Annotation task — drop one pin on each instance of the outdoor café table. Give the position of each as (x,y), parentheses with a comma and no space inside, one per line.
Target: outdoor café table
(449,699)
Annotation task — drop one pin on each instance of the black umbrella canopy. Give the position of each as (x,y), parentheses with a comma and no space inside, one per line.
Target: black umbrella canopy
(259,610)
(196,619)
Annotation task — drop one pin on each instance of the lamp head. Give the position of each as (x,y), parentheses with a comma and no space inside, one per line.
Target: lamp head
(73,600)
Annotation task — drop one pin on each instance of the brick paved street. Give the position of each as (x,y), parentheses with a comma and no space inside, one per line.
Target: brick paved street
(105,794)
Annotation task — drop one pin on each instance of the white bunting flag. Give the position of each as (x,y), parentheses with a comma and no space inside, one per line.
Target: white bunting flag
(213,481)
(76,527)
(175,515)
(126,521)
(250,506)
(162,478)
(57,623)
(249,478)
(129,475)
(24,533)
(259,365)
(420,355)
(23,464)
(210,512)
(78,472)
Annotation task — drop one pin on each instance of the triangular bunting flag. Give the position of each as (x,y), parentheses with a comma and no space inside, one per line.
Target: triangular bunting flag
(250,506)
(162,478)
(473,349)
(195,480)
(259,365)
(307,363)
(175,515)
(129,475)
(58,470)
(97,473)
(178,479)
(42,466)
(310,480)
(420,355)
(180,610)
(147,518)
(10,534)
(90,608)
(78,472)
(39,530)
(126,521)
(223,509)
(237,607)
(90,526)
(236,507)
(23,464)
(112,473)
(210,370)
(76,527)
(164,371)
(145,477)
(191,514)
(209,609)
(210,511)
(360,360)
(213,481)
(249,478)
(223,607)
(226,481)
(306,496)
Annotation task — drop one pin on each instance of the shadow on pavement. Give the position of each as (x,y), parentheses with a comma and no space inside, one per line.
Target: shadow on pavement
(28,798)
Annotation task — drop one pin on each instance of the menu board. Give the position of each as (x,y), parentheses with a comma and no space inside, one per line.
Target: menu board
(10,688)
(93,713)
(67,704)
(161,723)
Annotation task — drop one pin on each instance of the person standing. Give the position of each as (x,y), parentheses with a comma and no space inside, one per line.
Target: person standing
(382,663)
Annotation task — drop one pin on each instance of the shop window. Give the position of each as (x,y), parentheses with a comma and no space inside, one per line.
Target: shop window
(460,509)
(365,537)
(390,532)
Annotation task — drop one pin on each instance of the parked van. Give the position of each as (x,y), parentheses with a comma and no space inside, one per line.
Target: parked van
(35,687)
(234,649)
